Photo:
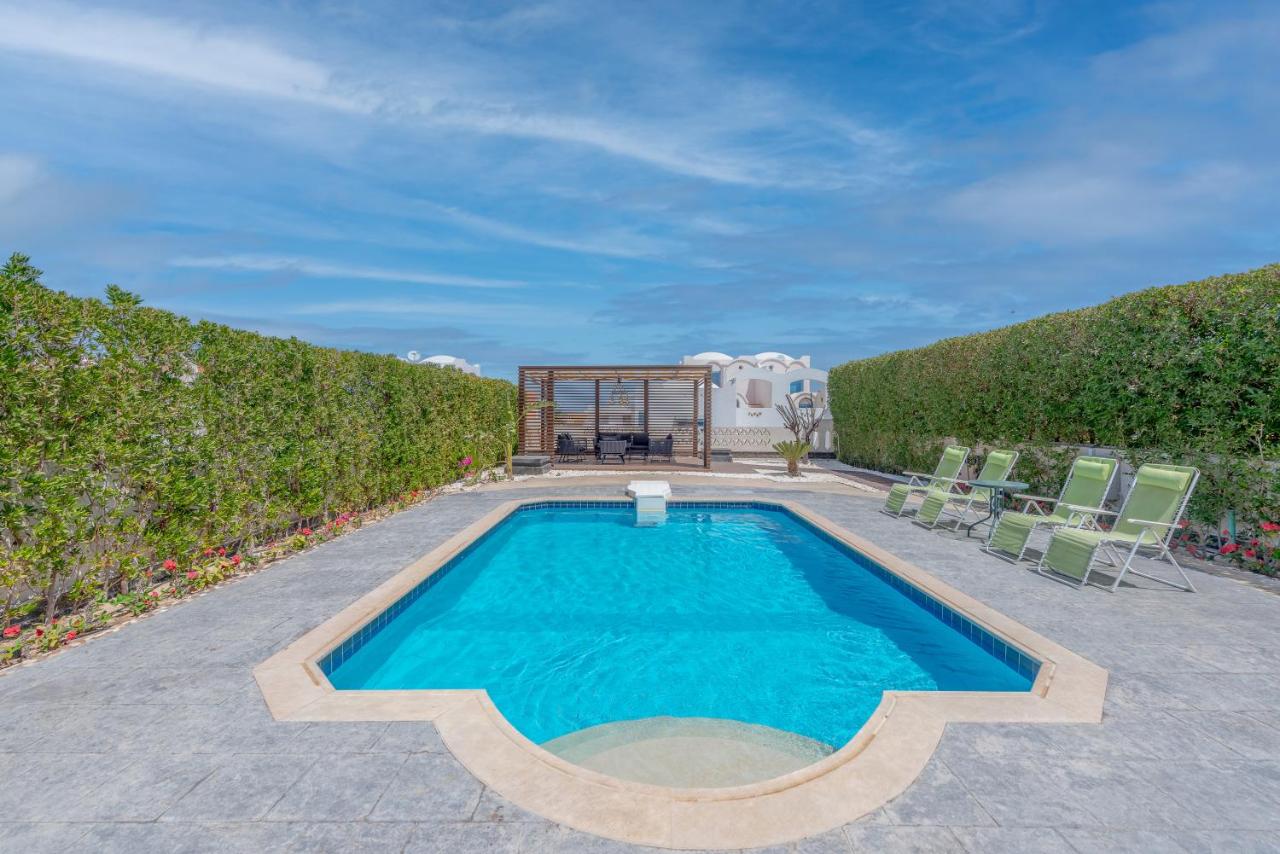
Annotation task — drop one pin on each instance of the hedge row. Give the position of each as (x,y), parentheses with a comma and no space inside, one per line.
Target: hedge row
(131,436)
(1186,372)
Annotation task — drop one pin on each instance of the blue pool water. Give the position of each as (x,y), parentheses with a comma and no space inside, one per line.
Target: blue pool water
(573,617)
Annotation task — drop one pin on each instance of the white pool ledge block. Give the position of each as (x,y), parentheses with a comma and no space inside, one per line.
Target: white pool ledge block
(650,496)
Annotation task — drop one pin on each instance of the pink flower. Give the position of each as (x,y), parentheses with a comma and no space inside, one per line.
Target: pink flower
(12,631)
(192,575)
(1250,553)
(71,635)
(208,552)
(306,532)
(235,560)
(170,565)
(465,462)
(1270,527)
(1229,548)
(222,551)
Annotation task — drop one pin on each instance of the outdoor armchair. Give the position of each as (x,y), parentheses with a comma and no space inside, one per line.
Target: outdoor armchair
(567,446)
(948,502)
(664,448)
(949,467)
(612,448)
(1146,521)
(1087,486)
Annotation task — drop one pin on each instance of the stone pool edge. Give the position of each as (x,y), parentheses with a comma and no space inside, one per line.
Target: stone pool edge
(886,755)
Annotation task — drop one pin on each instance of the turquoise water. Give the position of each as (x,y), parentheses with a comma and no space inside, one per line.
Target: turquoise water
(573,617)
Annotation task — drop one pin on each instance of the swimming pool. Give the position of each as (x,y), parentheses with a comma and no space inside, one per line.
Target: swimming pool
(572,616)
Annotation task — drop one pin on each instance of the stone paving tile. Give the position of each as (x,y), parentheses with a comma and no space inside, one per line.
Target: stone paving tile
(915,840)
(342,787)
(1246,735)
(162,718)
(143,790)
(429,786)
(1012,840)
(1243,795)
(1123,842)
(937,797)
(245,787)
(409,737)
(477,838)
(41,836)
(1230,842)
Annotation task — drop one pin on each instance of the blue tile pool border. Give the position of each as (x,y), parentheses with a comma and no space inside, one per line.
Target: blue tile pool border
(1011,656)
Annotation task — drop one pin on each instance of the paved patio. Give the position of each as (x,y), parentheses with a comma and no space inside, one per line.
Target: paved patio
(155,738)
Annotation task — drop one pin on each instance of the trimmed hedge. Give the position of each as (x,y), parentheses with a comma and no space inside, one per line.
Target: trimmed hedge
(130,436)
(1185,372)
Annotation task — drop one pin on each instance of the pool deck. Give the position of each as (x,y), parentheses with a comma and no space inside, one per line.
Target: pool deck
(156,737)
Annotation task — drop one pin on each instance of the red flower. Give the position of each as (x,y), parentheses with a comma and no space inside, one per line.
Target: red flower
(208,552)
(1229,548)
(1254,541)
(222,551)
(12,631)
(1250,553)
(465,462)
(235,560)
(1184,523)
(1270,527)
(306,532)
(1225,532)
(39,632)
(170,565)
(192,575)
(71,635)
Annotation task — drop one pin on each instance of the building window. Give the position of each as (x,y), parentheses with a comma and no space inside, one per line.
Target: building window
(797,386)
(715,376)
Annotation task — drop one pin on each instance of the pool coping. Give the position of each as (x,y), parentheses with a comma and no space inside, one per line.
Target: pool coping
(875,766)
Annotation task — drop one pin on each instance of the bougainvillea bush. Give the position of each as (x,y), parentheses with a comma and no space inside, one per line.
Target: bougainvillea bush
(132,441)
(1187,373)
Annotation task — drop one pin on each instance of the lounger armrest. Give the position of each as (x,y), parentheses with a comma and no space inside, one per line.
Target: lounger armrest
(1091,509)
(1149,522)
(1037,498)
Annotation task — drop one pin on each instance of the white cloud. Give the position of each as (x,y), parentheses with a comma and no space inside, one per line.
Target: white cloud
(18,174)
(617,244)
(683,137)
(322,269)
(186,52)
(1094,198)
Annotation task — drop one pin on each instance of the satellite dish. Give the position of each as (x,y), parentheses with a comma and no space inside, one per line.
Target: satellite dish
(413,356)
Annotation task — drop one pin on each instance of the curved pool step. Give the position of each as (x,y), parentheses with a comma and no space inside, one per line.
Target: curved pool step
(688,752)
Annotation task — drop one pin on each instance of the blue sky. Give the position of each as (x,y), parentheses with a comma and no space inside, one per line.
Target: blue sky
(572,181)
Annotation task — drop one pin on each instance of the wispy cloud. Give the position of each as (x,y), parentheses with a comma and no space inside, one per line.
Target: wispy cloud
(717,145)
(619,243)
(326,270)
(187,52)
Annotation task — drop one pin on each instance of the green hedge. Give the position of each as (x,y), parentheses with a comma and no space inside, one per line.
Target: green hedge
(1187,372)
(130,436)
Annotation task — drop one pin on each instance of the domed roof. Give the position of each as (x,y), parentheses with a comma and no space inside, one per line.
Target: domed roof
(713,356)
(782,357)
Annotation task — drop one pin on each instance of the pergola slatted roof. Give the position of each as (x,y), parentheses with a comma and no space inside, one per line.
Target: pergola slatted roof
(589,400)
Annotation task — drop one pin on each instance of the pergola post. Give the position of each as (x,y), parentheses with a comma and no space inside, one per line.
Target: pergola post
(706,421)
(646,407)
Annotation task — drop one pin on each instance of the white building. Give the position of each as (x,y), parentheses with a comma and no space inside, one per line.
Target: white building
(443,361)
(746,390)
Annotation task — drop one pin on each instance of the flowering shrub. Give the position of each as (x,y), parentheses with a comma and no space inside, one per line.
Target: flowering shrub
(1259,552)
(133,441)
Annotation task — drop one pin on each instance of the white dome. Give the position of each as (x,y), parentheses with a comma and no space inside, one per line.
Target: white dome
(442,360)
(712,356)
(781,357)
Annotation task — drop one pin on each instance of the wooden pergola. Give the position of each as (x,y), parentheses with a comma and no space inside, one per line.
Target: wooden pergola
(589,400)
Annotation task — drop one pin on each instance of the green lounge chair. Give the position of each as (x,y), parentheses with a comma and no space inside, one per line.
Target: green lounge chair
(949,467)
(945,502)
(1147,520)
(1088,484)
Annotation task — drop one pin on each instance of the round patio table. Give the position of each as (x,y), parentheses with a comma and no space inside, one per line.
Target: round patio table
(998,488)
